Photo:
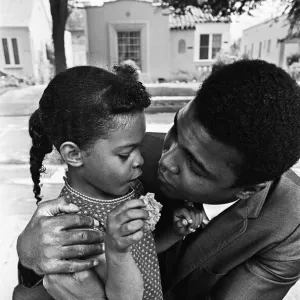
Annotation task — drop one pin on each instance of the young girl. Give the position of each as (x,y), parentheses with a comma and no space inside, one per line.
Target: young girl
(96,120)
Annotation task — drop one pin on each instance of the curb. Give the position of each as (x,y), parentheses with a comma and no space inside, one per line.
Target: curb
(161,104)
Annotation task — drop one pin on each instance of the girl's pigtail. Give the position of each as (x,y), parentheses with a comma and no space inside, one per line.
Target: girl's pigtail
(40,147)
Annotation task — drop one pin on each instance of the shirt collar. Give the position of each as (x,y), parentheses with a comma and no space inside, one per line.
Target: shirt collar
(211,211)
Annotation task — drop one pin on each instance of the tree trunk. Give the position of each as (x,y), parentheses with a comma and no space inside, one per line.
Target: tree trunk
(60,13)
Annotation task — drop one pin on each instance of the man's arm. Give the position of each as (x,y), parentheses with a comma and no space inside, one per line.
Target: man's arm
(47,246)
(268,275)
(258,280)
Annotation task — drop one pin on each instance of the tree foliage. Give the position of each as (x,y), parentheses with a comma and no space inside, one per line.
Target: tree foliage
(216,7)
(231,7)
(293,11)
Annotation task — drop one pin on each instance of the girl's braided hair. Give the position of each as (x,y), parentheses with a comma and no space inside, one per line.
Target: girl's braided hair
(78,105)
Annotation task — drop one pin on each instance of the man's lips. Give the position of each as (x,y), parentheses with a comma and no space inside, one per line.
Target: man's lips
(162,177)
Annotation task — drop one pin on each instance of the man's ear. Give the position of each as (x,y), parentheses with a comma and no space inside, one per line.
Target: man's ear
(249,191)
(71,154)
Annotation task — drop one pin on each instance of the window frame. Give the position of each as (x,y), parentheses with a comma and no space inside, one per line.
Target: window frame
(260,49)
(11,52)
(210,46)
(143,26)
(269,44)
(140,64)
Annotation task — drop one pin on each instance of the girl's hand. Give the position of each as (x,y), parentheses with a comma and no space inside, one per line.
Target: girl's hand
(125,225)
(187,220)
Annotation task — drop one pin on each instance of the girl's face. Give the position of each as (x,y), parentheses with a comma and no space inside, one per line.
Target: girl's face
(113,163)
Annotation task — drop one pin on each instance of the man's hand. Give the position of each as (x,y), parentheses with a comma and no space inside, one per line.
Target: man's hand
(83,285)
(47,246)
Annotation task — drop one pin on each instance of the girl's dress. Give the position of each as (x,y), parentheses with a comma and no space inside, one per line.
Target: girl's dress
(143,252)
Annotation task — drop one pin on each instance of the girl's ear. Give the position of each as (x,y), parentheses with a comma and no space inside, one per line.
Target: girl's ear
(71,154)
(249,191)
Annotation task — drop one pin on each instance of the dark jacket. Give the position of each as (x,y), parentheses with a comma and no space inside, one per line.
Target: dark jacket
(250,251)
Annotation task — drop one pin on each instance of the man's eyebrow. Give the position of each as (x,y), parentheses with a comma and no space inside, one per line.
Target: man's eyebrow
(191,155)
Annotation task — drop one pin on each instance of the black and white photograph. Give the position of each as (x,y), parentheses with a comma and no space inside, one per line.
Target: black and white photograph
(149,150)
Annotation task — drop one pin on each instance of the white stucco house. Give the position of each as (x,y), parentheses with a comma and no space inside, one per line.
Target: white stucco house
(160,42)
(267,41)
(25,32)
(75,26)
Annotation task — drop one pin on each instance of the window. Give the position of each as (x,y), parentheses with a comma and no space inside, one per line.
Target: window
(11,51)
(129,46)
(259,49)
(5,51)
(252,49)
(181,46)
(209,45)
(245,49)
(269,46)
(16,52)
(216,44)
(204,46)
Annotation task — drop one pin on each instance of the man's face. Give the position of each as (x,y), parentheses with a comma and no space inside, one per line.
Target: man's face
(194,166)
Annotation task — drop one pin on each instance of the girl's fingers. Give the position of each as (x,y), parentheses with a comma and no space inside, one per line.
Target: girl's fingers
(131,214)
(131,227)
(184,222)
(127,205)
(184,213)
(199,219)
(193,217)
(127,241)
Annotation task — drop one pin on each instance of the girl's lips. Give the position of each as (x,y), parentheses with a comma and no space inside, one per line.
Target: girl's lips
(136,177)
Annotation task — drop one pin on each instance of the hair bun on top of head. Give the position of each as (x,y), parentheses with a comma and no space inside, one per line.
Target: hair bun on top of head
(126,72)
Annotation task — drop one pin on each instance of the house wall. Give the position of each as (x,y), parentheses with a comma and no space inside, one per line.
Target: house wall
(40,35)
(268,32)
(188,62)
(182,62)
(78,47)
(102,24)
(25,68)
(68,49)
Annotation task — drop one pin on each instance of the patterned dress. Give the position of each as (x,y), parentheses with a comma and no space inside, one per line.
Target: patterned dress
(143,252)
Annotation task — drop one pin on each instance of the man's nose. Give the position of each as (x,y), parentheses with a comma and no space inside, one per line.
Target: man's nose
(169,159)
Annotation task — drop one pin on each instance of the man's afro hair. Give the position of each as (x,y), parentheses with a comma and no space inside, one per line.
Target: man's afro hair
(254,107)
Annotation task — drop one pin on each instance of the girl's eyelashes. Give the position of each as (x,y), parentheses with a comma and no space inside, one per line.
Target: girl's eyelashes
(124,156)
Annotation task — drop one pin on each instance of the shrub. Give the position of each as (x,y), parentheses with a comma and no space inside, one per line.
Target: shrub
(292,59)
(294,70)
(182,76)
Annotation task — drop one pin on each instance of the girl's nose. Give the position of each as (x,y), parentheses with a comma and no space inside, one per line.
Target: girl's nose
(138,162)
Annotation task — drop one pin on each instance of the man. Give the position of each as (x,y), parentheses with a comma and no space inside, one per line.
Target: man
(229,152)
